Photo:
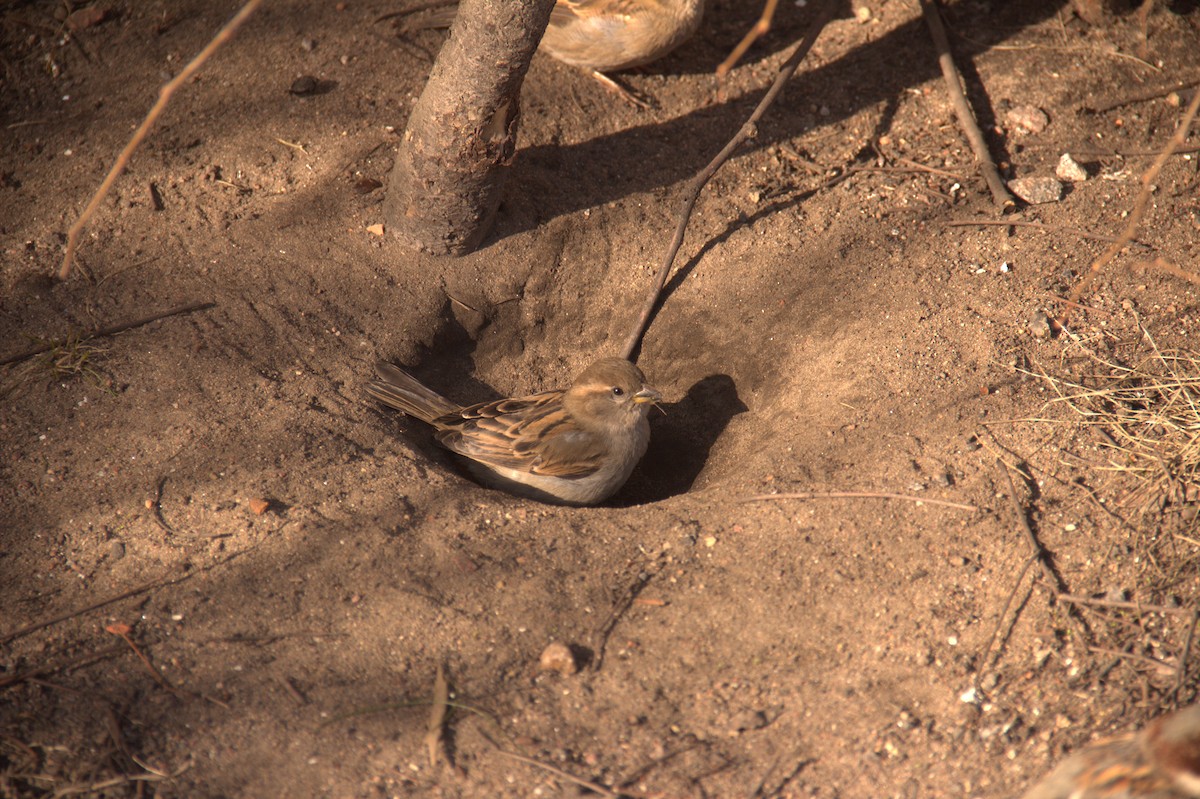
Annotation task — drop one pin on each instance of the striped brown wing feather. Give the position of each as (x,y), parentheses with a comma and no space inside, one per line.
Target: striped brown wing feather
(531,434)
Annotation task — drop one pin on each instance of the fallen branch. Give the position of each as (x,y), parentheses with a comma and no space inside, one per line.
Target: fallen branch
(962,109)
(112,330)
(164,97)
(1140,204)
(692,192)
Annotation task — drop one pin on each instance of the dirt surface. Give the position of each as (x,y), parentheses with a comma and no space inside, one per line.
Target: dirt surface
(822,335)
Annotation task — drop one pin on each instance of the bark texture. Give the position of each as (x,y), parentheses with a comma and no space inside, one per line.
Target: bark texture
(460,141)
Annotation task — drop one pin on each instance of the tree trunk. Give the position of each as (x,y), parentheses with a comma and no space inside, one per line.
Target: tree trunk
(453,164)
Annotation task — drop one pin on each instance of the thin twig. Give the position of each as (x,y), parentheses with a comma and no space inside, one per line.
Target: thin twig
(111,330)
(600,638)
(692,192)
(1140,204)
(1140,607)
(141,589)
(591,786)
(1120,653)
(1143,96)
(966,118)
(164,96)
(1181,674)
(123,630)
(754,34)
(1170,268)
(987,650)
(1055,583)
(1083,234)
(80,660)
(858,495)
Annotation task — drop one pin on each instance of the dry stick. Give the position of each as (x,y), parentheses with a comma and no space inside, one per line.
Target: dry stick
(1181,674)
(987,650)
(81,660)
(164,96)
(112,330)
(858,495)
(123,631)
(1141,97)
(692,192)
(591,786)
(1170,269)
(1055,583)
(758,31)
(1140,204)
(1083,234)
(141,589)
(962,109)
(1140,607)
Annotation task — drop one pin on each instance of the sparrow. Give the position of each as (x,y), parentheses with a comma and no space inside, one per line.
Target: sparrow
(610,35)
(573,447)
(1161,761)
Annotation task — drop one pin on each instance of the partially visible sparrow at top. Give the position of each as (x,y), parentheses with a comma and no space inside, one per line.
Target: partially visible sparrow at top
(609,35)
(1161,761)
(574,447)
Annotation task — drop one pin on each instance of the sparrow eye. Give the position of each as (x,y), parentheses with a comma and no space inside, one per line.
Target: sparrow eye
(618,391)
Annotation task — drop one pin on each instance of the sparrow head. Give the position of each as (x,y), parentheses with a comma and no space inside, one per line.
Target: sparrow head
(612,392)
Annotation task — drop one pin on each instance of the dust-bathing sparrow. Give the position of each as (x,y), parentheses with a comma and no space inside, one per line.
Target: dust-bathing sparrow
(1160,762)
(610,35)
(574,447)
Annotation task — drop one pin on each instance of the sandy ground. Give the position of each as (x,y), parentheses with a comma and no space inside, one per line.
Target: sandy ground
(821,336)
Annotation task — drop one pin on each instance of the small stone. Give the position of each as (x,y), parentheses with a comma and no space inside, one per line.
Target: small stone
(1070,170)
(1039,324)
(746,721)
(862,14)
(1027,119)
(259,506)
(308,45)
(116,549)
(303,86)
(558,657)
(1037,191)
(375,230)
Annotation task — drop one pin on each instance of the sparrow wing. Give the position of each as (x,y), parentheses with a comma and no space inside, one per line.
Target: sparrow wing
(532,434)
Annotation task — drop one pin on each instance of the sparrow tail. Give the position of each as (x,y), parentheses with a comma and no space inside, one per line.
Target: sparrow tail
(400,390)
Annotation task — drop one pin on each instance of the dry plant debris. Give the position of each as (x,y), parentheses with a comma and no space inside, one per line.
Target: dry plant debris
(1148,416)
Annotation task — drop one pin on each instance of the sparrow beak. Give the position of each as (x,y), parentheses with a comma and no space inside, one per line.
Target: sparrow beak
(647,394)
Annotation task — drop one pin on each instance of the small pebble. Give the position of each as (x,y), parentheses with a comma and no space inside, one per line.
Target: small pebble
(116,549)
(1069,169)
(259,506)
(303,86)
(1037,191)
(748,720)
(1039,324)
(1027,119)
(558,657)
